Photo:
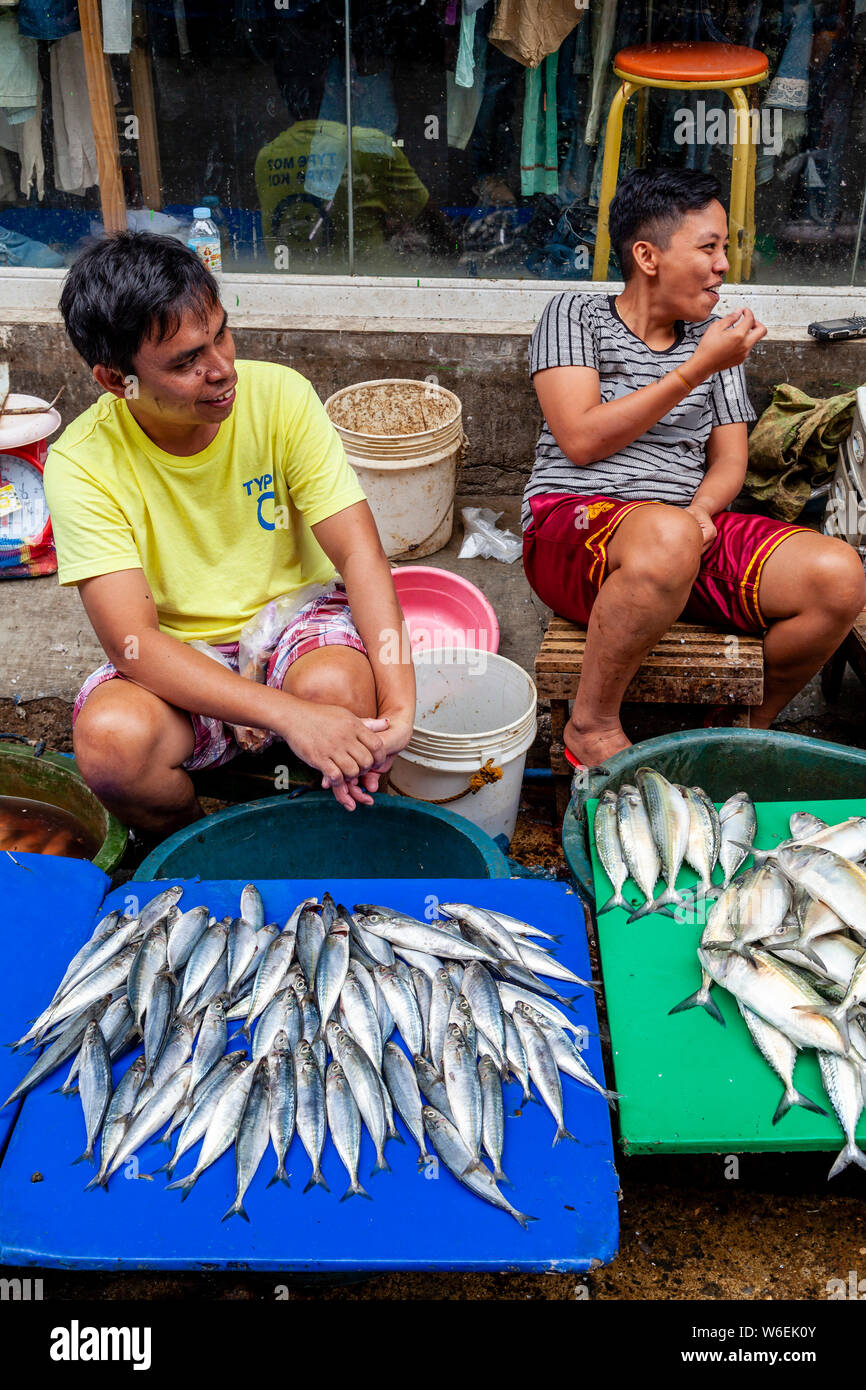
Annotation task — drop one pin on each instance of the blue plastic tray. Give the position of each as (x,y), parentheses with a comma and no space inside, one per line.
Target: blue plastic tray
(46,903)
(415,1221)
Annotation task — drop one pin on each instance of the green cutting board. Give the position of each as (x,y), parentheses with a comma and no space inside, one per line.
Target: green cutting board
(687,1084)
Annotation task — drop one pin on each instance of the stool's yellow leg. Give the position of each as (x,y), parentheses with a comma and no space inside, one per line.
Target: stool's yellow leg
(739,180)
(609,173)
(749,234)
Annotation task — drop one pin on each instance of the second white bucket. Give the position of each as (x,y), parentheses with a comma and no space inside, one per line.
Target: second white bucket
(475,721)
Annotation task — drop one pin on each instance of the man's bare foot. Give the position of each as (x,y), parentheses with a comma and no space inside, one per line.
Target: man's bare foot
(592,746)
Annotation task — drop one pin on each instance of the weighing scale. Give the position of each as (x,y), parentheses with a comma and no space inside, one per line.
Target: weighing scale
(26,539)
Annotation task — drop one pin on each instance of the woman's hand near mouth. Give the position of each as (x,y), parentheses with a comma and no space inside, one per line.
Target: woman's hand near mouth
(726,343)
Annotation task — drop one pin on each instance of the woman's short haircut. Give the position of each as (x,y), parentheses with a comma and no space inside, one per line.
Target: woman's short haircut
(650,204)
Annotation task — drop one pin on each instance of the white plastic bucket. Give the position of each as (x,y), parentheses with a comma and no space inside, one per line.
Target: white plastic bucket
(403,438)
(475,718)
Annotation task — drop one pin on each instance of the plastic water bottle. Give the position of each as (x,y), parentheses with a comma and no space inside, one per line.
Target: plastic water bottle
(221,222)
(204,240)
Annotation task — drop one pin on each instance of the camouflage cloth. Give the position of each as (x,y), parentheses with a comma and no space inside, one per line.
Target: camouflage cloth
(792,448)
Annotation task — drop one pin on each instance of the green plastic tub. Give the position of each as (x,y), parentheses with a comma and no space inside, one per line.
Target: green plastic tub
(311,834)
(770,766)
(56,781)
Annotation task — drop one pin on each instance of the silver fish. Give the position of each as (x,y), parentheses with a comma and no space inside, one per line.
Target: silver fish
(361,1018)
(842,1082)
(149,961)
(275,1019)
(344,1120)
(207,952)
(212,1090)
(780,1054)
(452,1150)
(498,938)
(441,998)
(463,1088)
(422,936)
(636,838)
(432,1087)
(310,1118)
(461,1014)
(154,911)
(222,1129)
(705,836)
(252,907)
(830,878)
(402,1083)
(269,977)
(252,1137)
(777,993)
(95,1085)
(62,1048)
(567,1057)
(264,936)
(184,936)
(543,1070)
(607,843)
(309,939)
(311,1029)
(211,1044)
(403,1006)
(117,1117)
(157,1019)
(516,1057)
(738,824)
(366,1088)
(480,990)
(151,1118)
(281,1076)
(332,967)
(176,1051)
(509,994)
(423,986)
(670,821)
(518,928)
(241,944)
(99,951)
(492,1115)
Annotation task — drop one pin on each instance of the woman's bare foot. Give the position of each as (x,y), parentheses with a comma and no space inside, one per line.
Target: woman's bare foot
(592,745)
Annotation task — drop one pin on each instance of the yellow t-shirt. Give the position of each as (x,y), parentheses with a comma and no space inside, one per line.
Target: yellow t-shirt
(219,533)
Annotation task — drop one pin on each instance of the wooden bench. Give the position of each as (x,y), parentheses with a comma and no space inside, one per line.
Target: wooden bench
(851,653)
(690,665)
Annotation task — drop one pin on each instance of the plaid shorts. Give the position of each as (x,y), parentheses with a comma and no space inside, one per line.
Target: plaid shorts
(324,622)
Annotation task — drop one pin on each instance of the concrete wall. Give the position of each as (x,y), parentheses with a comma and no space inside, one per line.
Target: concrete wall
(487,370)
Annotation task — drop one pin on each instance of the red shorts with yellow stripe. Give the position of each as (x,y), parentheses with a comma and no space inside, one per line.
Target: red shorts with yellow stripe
(565,559)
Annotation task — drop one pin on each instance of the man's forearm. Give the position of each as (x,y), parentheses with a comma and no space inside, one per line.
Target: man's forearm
(379,620)
(192,681)
(605,429)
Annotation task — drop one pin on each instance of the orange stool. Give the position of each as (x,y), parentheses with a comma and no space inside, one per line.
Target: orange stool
(689,67)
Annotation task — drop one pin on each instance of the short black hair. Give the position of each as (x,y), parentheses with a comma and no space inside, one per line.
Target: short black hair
(126,287)
(650,204)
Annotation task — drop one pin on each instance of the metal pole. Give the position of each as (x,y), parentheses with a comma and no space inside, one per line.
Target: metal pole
(349,169)
(859,237)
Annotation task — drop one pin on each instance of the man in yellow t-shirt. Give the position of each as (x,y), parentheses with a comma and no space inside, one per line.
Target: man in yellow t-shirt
(194,492)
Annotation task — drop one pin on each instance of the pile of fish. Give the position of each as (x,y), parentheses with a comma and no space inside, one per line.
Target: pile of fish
(786,937)
(317,1002)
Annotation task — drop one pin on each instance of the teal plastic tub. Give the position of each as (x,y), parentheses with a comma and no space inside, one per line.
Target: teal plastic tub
(310,835)
(770,766)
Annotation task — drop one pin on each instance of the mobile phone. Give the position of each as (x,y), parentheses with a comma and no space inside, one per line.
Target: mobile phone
(834,329)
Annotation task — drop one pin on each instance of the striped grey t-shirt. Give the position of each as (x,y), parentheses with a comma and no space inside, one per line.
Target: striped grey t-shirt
(668,462)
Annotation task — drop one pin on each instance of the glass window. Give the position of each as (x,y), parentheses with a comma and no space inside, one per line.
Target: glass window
(478,130)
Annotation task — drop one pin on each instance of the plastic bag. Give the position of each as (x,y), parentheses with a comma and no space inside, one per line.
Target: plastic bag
(260,635)
(250,740)
(483,537)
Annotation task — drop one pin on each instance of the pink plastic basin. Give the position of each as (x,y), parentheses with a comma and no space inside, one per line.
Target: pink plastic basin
(444,610)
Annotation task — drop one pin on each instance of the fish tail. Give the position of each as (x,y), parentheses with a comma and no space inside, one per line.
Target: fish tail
(703,999)
(395,1134)
(186,1185)
(522,1217)
(236,1209)
(280,1175)
(167,975)
(381,1165)
(612,1097)
(355,1190)
(499,1176)
(98,1180)
(167,1167)
(644,911)
(316,1180)
(88,1155)
(850,1154)
(794,1097)
(563,1133)
(617,900)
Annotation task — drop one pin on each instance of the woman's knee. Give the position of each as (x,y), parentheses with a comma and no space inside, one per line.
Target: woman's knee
(661,547)
(834,579)
(335,679)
